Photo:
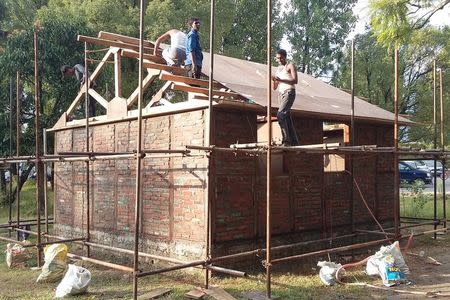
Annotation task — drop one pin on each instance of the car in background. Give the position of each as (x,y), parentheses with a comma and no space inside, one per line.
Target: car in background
(419,164)
(410,174)
(439,168)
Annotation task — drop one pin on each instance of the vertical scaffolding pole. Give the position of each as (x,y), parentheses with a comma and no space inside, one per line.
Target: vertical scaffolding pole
(210,137)
(10,149)
(88,179)
(139,153)
(18,110)
(434,147)
(441,85)
(396,173)
(269,150)
(38,164)
(352,132)
(44,140)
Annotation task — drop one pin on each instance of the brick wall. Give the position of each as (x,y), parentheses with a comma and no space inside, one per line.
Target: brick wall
(173,215)
(305,200)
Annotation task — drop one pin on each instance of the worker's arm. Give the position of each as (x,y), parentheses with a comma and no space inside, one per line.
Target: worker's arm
(161,39)
(275,81)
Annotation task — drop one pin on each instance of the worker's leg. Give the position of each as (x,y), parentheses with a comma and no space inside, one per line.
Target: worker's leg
(166,54)
(284,118)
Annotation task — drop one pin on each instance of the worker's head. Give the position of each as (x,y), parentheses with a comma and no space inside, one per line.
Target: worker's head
(67,70)
(194,23)
(280,56)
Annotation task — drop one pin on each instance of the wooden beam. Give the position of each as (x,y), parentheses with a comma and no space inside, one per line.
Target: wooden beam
(188,80)
(151,76)
(123,38)
(158,94)
(174,70)
(117,75)
(150,57)
(109,43)
(92,77)
(103,102)
(199,90)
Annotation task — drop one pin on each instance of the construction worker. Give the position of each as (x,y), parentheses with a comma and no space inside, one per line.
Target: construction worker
(194,54)
(285,80)
(78,72)
(175,54)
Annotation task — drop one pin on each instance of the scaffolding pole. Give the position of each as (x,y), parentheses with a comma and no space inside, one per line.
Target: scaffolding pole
(137,207)
(396,173)
(269,151)
(209,136)
(441,94)
(38,164)
(88,180)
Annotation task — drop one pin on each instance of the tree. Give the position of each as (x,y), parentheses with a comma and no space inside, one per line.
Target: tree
(374,76)
(247,36)
(58,45)
(317,29)
(394,20)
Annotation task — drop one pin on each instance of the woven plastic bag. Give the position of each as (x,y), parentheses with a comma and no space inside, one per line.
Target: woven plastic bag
(76,281)
(55,257)
(17,256)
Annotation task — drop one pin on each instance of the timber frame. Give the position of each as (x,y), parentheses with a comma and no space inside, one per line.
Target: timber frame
(175,77)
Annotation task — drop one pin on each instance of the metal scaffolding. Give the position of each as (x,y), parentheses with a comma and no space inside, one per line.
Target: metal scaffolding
(207,263)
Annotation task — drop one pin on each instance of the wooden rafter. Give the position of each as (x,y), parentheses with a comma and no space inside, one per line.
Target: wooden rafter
(188,80)
(159,94)
(174,70)
(109,43)
(123,38)
(150,57)
(151,76)
(93,76)
(205,91)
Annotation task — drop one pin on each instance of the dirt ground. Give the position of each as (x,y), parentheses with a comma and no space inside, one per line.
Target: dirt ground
(428,280)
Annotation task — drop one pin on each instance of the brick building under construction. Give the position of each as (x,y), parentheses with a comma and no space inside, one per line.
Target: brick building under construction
(313,196)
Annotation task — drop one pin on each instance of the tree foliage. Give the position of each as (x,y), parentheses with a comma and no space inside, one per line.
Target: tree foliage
(374,76)
(393,21)
(317,29)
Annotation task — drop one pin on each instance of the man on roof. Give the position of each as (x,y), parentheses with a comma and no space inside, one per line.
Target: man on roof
(78,72)
(175,54)
(285,80)
(194,54)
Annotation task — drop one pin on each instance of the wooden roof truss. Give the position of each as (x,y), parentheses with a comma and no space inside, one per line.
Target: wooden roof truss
(124,46)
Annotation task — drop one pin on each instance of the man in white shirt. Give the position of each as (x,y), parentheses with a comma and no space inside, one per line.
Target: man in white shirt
(285,80)
(175,54)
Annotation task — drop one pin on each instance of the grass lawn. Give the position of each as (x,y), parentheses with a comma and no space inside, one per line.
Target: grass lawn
(109,284)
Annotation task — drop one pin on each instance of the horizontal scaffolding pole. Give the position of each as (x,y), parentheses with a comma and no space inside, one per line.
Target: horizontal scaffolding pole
(174,268)
(331,250)
(101,263)
(226,271)
(16,242)
(13,224)
(375,232)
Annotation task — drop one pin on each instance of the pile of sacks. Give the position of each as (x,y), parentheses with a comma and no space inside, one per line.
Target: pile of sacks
(75,279)
(388,263)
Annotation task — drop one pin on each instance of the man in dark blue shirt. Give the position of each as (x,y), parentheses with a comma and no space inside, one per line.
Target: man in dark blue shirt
(194,55)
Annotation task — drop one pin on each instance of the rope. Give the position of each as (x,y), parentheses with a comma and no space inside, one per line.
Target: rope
(367,206)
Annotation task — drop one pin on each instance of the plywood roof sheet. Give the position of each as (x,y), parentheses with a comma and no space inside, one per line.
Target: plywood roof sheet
(313,95)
